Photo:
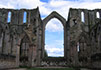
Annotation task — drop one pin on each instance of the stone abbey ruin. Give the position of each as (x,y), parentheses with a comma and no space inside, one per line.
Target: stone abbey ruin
(22,43)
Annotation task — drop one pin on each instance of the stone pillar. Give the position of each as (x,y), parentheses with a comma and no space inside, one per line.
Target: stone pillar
(20,17)
(7,43)
(39,50)
(68,47)
(65,47)
(15,14)
(1,40)
(3,16)
(32,55)
(18,53)
(76,56)
(43,41)
(99,43)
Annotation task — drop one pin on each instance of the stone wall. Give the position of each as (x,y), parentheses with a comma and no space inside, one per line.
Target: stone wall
(54,61)
(7,64)
(7,61)
(84,36)
(17,32)
(96,64)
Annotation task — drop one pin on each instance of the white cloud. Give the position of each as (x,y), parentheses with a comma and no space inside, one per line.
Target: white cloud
(54,26)
(44,10)
(62,6)
(53,51)
(57,4)
(29,4)
(6,6)
(59,42)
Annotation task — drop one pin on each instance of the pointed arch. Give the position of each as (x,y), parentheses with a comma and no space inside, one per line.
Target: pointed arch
(54,14)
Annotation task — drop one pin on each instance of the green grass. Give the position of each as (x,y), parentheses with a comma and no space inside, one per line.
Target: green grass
(50,69)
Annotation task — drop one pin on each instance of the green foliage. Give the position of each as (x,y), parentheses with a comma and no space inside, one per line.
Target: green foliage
(51,69)
(45,54)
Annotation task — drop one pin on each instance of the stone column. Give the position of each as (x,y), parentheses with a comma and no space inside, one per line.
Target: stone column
(18,53)
(32,55)
(68,47)
(76,56)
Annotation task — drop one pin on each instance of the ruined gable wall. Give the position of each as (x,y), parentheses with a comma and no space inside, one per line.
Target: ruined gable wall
(13,31)
(78,29)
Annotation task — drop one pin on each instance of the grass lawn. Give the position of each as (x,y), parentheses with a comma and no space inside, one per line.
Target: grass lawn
(50,69)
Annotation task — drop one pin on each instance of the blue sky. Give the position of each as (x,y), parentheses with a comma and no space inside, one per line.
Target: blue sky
(54,36)
(54,30)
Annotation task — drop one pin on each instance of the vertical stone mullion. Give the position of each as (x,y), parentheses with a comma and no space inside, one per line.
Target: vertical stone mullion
(1,40)
(11,44)
(3,43)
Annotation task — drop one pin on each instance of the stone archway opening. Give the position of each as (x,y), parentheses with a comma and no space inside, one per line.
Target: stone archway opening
(54,38)
(61,19)
(54,61)
(24,51)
